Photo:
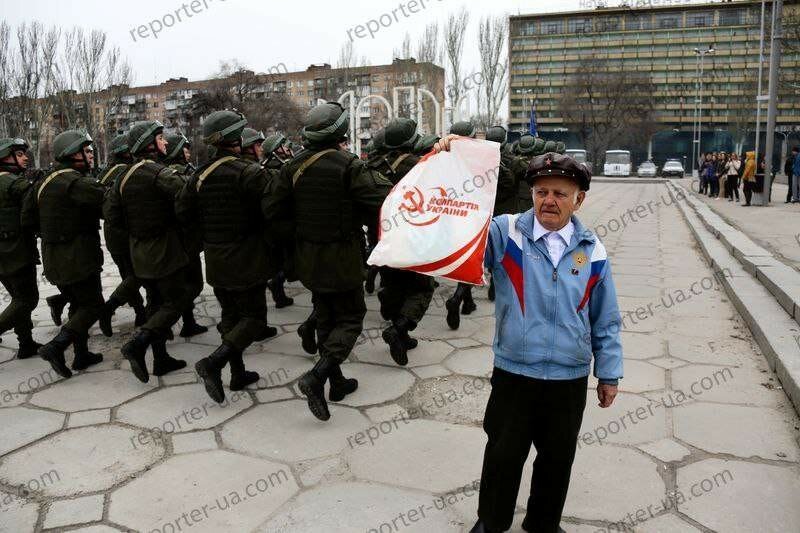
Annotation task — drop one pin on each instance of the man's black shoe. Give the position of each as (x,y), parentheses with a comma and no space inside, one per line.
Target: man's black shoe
(308,337)
(134,351)
(340,385)
(398,348)
(312,385)
(56,303)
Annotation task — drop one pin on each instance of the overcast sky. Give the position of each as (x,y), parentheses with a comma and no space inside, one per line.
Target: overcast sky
(258,33)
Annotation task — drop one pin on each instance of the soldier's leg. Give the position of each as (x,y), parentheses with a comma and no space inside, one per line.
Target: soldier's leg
(83,357)
(24,292)
(127,292)
(173,296)
(308,331)
(56,303)
(391,293)
(210,368)
(468,306)
(251,306)
(453,306)
(194,281)
(418,296)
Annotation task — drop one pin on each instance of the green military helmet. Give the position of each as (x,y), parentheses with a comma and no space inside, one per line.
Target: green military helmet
(379,140)
(251,137)
(549,146)
(272,143)
(70,142)
(463,128)
(10,145)
(175,144)
(497,134)
(561,147)
(527,145)
(118,145)
(401,133)
(425,143)
(326,124)
(143,134)
(223,127)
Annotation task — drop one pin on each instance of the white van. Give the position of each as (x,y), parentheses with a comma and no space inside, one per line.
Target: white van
(580,156)
(618,163)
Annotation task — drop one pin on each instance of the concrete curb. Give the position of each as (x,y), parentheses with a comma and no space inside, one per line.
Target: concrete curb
(774,328)
(631,179)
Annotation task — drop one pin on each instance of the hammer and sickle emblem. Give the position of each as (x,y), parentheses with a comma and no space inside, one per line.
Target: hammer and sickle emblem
(415,201)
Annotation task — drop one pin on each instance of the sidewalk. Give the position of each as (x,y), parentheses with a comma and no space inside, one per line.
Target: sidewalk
(776,228)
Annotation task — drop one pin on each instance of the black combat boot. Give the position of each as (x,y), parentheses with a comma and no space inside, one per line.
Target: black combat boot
(275,286)
(190,326)
(410,341)
(372,273)
(241,378)
(453,305)
(491,290)
(106,313)
(312,384)
(83,357)
(396,336)
(141,315)
(308,333)
(53,352)
(210,371)
(163,362)
(56,303)
(480,527)
(468,307)
(27,346)
(134,351)
(340,385)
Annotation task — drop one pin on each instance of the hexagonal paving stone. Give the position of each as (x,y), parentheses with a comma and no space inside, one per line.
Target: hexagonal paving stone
(375,350)
(276,370)
(435,328)
(362,507)
(485,331)
(403,456)
(7,354)
(288,343)
(231,492)
(22,425)
(738,430)
(667,523)
(23,377)
(743,385)
(639,377)
(288,315)
(638,484)
(631,419)
(640,345)
(472,361)
(768,493)
(93,390)
(377,384)
(182,408)
(455,399)
(16,514)
(731,352)
(288,431)
(107,456)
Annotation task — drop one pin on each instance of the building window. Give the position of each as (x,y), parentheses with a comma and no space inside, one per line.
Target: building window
(552,27)
(731,17)
(668,20)
(607,24)
(700,20)
(580,26)
(527,28)
(638,22)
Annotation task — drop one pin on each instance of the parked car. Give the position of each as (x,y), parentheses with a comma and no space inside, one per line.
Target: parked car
(648,169)
(673,168)
(580,157)
(618,163)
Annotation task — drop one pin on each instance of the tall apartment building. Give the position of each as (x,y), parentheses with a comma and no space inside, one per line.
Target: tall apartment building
(545,51)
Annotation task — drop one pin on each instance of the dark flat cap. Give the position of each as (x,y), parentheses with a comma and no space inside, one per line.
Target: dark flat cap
(554,164)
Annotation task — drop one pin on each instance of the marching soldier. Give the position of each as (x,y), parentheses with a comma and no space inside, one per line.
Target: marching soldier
(273,154)
(127,292)
(179,158)
(527,148)
(18,253)
(143,202)
(224,199)
(252,142)
(323,190)
(461,303)
(66,207)
(425,144)
(405,295)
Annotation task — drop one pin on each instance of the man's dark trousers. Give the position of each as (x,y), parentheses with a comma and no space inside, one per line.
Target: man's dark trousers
(24,292)
(85,303)
(524,411)
(340,320)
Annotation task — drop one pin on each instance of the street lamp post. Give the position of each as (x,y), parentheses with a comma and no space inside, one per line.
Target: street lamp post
(701,55)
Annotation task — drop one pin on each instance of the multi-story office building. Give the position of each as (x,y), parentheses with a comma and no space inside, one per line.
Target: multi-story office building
(546,51)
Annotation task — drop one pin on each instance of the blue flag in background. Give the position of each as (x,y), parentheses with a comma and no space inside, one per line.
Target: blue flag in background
(532,127)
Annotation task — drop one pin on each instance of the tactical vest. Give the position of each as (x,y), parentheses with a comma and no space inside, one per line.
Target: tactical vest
(60,219)
(148,212)
(10,227)
(322,205)
(110,173)
(226,216)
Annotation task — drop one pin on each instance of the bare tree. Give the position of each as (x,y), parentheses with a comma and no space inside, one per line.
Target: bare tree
(492,35)
(404,52)
(606,103)
(5,78)
(428,49)
(454,32)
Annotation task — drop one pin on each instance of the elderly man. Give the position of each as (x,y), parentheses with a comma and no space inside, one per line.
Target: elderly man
(555,308)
